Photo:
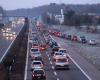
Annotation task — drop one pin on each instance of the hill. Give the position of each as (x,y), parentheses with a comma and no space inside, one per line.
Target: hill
(55,9)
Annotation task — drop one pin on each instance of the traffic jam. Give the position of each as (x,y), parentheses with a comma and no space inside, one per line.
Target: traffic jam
(80,39)
(59,57)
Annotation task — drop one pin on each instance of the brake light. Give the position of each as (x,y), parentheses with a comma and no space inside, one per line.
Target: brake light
(33,75)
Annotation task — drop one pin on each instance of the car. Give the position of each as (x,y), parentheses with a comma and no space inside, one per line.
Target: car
(38,59)
(63,35)
(61,63)
(74,38)
(92,42)
(59,55)
(33,50)
(43,47)
(69,37)
(36,64)
(82,39)
(54,49)
(35,45)
(38,74)
(53,44)
(62,50)
(35,54)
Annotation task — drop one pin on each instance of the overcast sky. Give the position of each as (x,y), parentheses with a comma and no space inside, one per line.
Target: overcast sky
(15,4)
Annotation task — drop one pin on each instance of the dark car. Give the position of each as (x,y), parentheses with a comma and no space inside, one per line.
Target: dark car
(38,74)
(53,44)
(82,39)
(63,35)
(74,38)
(69,37)
(54,49)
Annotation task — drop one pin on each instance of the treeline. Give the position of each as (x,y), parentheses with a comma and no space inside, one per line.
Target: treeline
(73,19)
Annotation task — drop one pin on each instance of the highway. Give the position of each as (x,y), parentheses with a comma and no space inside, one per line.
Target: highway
(74,73)
(6,42)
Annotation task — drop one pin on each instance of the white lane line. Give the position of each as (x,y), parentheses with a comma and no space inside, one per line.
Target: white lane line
(26,66)
(79,67)
(55,73)
(7,50)
(49,59)
(58,79)
(47,55)
(50,62)
(53,67)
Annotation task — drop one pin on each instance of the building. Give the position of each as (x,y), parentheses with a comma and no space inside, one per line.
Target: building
(1,15)
(60,17)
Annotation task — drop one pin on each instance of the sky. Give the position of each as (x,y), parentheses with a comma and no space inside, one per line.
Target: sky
(16,4)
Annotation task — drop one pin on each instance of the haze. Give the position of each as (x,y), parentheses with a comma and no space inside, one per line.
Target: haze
(16,4)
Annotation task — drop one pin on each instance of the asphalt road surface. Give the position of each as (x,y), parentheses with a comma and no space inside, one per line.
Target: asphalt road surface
(74,73)
(5,42)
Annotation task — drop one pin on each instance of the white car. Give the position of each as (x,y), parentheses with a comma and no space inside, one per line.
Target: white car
(58,55)
(36,64)
(61,63)
(92,42)
(63,51)
(35,54)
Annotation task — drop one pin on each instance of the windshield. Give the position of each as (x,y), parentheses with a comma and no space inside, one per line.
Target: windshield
(38,72)
(34,50)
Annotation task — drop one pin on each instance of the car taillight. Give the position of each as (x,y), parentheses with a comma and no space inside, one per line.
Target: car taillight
(33,75)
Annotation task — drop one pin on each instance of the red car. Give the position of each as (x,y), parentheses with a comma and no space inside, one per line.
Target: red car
(74,38)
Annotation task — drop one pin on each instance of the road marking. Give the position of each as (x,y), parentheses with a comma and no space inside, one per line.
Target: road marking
(79,67)
(9,46)
(53,67)
(58,79)
(48,55)
(55,73)
(26,66)
(50,62)
(49,59)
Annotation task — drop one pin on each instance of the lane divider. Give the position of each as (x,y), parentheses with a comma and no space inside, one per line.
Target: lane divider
(58,79)
(55,73)
(79,67)
(26,66)
(53,67)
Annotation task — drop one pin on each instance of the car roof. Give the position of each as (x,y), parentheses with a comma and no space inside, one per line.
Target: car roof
(36,61)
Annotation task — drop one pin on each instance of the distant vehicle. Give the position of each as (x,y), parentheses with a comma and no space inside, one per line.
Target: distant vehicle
(69,37)
(35,54)
(92,42)
(33,50)
(35,45)
(53,44)
(62,50)
(38,59)
(36,64)
(63,35)
(59,55)
(38,74)
(82,39)
(54,49)
(74,38)
(61,63)
(43,47)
